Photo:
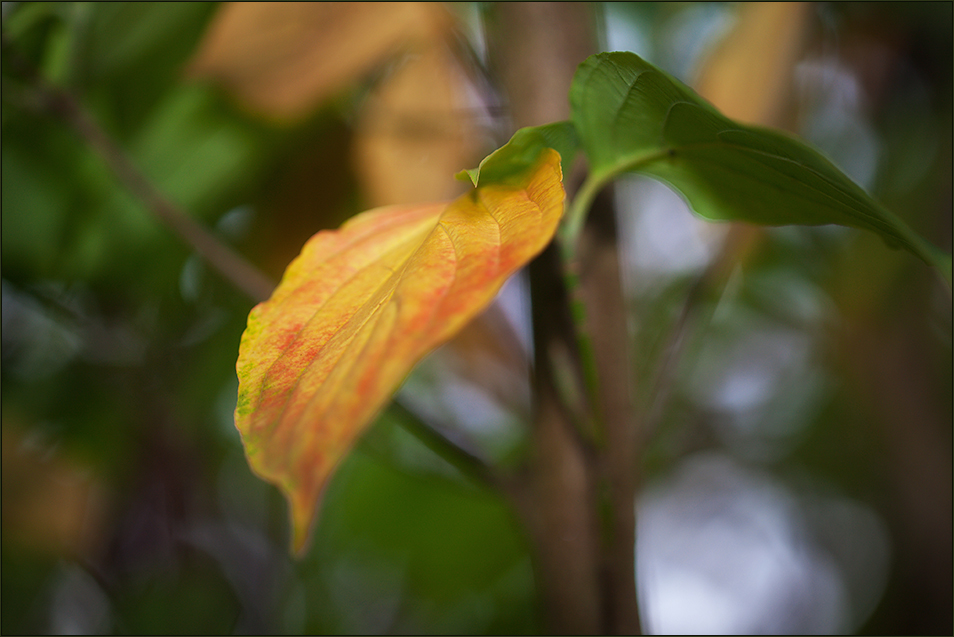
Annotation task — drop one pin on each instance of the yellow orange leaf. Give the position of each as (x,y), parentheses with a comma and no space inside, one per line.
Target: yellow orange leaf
(360,306)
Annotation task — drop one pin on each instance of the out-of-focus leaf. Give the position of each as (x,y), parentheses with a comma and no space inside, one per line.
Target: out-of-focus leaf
(632,116)
(749,76)
(512,159)
(198,154)
(360,306)
(129,55)
(51,503)
(32,200)
(283,58)
(129,35)
(420,119)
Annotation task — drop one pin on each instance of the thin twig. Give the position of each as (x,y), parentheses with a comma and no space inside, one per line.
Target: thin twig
(242,274)
(467,463)
(711,282)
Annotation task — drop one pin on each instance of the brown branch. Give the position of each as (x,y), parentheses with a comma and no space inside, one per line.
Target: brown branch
(559,506)
(618,463)
(584,560)
(60,102)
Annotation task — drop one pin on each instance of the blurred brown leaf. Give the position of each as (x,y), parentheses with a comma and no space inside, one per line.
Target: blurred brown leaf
(419,128)
(51,504)
(281,59)
(749,76)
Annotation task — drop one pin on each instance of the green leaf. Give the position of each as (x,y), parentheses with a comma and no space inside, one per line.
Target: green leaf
(514,158)
(633,117)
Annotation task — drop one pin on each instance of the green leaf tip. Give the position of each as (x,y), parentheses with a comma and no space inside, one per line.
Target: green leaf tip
(468,174)
(519,154)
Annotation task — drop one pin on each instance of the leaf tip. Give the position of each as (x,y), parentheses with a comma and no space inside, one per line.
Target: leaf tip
(468,174)
(303,513)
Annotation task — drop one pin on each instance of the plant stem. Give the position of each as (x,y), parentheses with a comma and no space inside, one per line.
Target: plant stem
(578,515)
(617,460)
(570,231)
(467,463)
(592,425)
(576,213)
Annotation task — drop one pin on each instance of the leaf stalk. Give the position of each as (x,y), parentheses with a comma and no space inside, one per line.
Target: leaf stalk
(576,213)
